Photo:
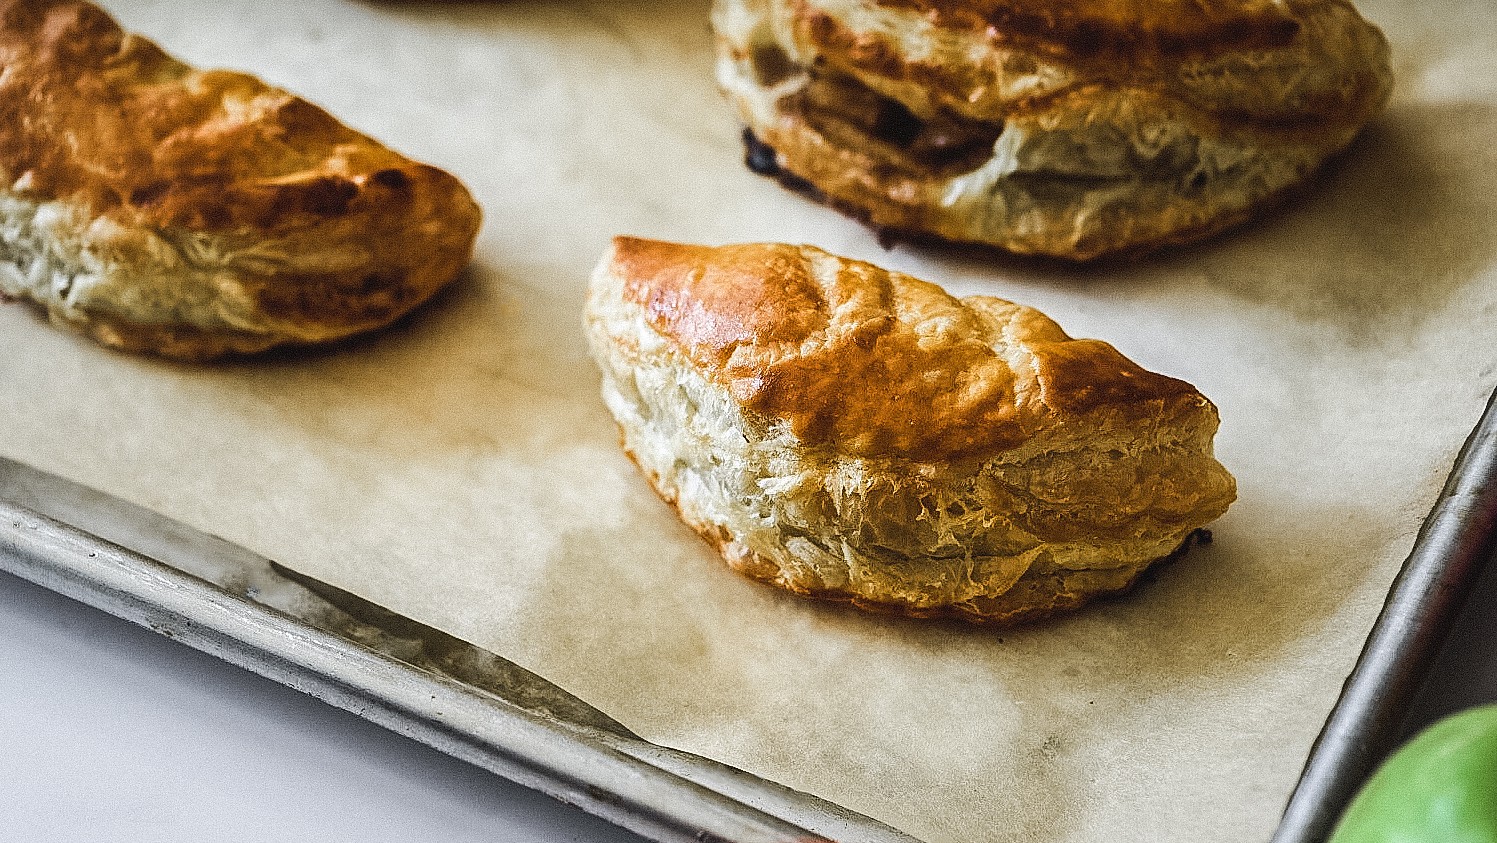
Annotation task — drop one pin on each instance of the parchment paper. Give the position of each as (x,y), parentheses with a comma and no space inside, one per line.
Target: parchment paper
(461,470)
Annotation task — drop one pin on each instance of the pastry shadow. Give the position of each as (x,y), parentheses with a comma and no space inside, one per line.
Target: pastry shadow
(1390,228)
(682,641)
(488,365)
(691,655)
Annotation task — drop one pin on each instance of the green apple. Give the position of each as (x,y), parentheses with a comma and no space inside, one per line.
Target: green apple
(1440,787)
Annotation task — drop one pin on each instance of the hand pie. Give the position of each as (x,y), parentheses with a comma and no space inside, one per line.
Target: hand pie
(1066,128)
(193,213)
(846,432)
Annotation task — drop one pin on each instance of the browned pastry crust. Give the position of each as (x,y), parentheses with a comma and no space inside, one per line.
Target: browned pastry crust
(1071,128)
(846,432)
(191,212)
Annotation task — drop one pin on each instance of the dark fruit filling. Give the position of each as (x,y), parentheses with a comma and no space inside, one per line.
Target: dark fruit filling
(849,113)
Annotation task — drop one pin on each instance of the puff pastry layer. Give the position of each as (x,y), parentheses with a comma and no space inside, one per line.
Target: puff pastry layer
(192,213)
(845,432)
(1067,128)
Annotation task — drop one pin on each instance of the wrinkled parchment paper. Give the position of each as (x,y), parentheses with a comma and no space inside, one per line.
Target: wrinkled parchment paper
(461,470)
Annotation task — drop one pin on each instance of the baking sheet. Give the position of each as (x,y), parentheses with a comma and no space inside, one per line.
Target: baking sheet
(229,602)
(460,470)
(1379,707)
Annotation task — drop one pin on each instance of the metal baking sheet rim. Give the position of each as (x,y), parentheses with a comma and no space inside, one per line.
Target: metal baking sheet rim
(238,606)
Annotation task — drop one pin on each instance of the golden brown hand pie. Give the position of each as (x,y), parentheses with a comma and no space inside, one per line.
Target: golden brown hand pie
(1069,128)
(192,213)
(846,432)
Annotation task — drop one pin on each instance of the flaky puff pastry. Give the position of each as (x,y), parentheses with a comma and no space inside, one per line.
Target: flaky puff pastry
(845,432)
(192,213)
(1065,128)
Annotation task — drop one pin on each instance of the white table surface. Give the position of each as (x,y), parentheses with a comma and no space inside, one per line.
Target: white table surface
(109,732)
